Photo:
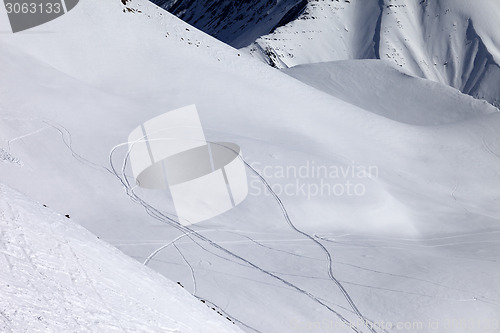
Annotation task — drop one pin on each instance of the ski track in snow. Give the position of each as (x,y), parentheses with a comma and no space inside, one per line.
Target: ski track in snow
(162,217)
(9,142)
(260,243)
(479,298)
(379,238)
(405,244)
(488,149)
(165,219)
(65,137)
(327,253)
(193,276)
(187,232)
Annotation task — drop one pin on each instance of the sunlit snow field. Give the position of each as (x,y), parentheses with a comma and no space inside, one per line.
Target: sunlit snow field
(409,244)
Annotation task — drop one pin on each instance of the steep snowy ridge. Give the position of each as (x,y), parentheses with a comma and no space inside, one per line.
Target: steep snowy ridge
(58,277)
(454,42)
(237,23)
(326,31)
(436,40)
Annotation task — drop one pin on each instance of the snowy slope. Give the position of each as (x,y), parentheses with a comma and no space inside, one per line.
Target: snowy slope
(359,82)
(452,42)
(325,31)
(407,249)
(58,277)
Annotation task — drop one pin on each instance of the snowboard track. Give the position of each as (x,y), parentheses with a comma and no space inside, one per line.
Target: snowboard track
(163,217)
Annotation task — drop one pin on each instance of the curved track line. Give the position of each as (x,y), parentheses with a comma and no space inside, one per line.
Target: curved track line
(166,219)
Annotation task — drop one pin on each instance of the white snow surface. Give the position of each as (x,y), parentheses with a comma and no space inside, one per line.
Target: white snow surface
(419,245)
(383,84)
(58,277)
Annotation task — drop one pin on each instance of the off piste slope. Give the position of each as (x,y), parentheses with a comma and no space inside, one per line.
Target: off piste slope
(447,41)
(56,276)
(379,86)
(237,23)
(407,247)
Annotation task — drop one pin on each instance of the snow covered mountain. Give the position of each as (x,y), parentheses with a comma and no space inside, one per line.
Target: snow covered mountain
(237,23)
(454,42)
(360,212)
